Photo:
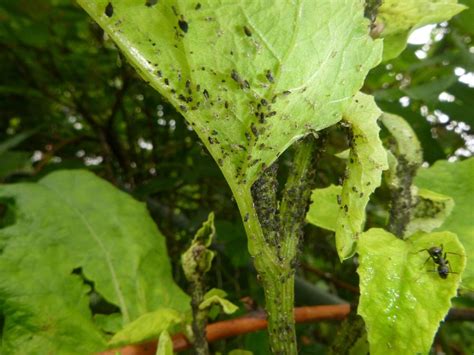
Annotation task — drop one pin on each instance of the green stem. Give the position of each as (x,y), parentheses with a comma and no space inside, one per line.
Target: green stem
(274,245)
(199,318)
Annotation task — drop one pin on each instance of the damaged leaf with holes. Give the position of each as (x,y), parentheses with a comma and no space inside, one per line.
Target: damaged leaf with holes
(283,70)
(66,252)
(400,289)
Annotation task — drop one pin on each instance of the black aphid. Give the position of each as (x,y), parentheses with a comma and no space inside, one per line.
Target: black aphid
(109,9)
(183,25)
(150,3)
(167,82)
(198,6)
(246,217)
(247,31)
(205,93)
(235,76)
(269,76)
(254,130)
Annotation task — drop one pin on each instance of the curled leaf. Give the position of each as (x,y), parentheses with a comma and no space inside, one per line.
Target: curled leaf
(197,260)
(217,297)
(367,160)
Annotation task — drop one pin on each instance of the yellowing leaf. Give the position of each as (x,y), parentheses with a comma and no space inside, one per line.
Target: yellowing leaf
(400,290)
(367,160)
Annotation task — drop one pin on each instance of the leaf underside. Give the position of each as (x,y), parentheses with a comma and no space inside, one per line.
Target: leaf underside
(251,77)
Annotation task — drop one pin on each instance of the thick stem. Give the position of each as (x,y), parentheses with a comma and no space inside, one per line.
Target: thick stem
(279,300)
(273,241)
(401,202)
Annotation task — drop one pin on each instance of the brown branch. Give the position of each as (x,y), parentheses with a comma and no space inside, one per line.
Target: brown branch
(239,326)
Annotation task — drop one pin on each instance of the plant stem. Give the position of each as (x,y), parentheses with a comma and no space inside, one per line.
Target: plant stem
(279,301)
(401,201)
(274,236)
(199,319)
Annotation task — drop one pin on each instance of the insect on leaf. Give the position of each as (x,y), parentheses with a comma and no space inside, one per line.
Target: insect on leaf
(400,289)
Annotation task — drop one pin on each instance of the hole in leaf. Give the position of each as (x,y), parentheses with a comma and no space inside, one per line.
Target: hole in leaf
(97,303)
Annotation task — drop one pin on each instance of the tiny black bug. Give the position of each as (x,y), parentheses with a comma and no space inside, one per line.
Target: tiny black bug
(440,259)
(109,10)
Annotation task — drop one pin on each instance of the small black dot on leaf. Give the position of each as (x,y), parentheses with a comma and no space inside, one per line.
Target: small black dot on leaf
(183,25)
(150,3)
(109,9)
(247,31)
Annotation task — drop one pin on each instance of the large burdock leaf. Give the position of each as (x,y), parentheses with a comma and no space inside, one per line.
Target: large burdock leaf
(74,230)
(250,76)
(402,297)
(400,17)
(455,180)
(367,160)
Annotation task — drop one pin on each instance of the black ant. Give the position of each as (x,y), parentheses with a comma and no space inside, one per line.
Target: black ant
(436,254)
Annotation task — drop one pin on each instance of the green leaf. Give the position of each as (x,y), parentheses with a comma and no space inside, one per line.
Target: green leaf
(109,323)
(429,91)
(251,77)
(15,162)
(324,209)
(165,344)
(455,180)
(407,144)
(400,18)
(72,227)
(429,211)
(14,141)
(197,259)
(399,292)
(367,160)
(216,296)
(240,352)
(148,326)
